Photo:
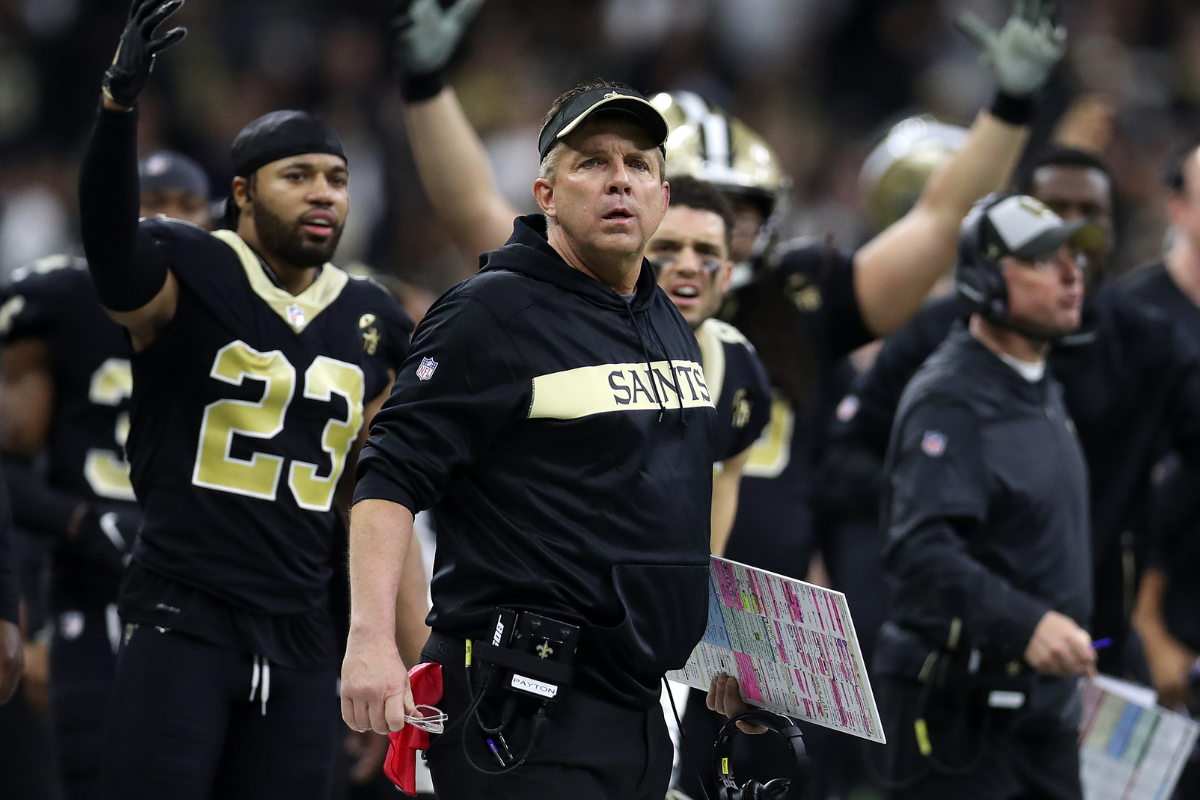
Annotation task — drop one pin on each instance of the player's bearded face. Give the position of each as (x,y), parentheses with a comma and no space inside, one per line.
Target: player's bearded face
(299,208)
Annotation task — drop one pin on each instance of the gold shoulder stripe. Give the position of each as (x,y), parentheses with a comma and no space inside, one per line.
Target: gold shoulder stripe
(724,331)
(771,454)
(311,302)
(9,311)
(605,388)
(712,353)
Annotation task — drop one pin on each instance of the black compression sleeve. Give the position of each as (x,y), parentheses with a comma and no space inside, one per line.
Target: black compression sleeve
(125,262)
(10,594)
(36,506)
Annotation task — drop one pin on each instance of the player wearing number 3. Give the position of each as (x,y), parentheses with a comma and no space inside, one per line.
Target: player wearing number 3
(256,367)
(65,381)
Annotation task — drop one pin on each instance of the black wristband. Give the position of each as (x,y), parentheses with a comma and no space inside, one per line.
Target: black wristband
(417,88)
(1013,110)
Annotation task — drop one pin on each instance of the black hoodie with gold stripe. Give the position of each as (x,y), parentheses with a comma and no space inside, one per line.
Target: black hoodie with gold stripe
(563,436)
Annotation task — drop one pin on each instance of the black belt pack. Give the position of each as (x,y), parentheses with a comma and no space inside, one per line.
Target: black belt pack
(533,654)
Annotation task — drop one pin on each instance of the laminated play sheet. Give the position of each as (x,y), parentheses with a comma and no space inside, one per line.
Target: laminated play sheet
(791,646)
(1130,748)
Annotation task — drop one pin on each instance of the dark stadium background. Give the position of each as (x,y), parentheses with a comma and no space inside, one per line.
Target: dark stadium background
(819,78)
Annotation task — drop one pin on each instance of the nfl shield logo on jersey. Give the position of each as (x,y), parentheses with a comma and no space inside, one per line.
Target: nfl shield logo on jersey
(70,625)
(425,371)
(295,316)
(847,408)
(933,443)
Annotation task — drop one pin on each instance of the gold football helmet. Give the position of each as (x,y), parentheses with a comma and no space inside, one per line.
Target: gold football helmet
(710,145)
(895,172)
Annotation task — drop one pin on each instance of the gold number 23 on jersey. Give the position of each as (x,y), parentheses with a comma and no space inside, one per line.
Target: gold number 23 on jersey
(265,419)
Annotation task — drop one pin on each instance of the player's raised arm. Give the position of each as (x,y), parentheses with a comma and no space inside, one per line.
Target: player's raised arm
(450,157)
(131,276)
(894,271)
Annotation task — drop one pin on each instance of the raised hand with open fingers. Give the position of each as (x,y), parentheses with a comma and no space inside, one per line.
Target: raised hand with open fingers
(131,66)
(1023,53)
(425,35)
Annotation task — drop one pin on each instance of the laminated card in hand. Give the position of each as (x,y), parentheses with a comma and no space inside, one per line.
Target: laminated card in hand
(790,644)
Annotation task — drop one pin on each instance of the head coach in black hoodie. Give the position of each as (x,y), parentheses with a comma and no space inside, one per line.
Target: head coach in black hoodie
(554,415)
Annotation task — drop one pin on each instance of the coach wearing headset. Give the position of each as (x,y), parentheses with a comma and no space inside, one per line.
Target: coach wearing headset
(987,534)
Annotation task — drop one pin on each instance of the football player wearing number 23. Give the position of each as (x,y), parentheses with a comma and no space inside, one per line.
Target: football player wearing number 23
(256,367)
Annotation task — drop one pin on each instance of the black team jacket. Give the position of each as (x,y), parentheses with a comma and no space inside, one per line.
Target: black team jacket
(1131,383)
(985,510)
(563,436)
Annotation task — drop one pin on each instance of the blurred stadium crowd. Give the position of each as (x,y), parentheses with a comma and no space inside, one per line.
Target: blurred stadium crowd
(820,79)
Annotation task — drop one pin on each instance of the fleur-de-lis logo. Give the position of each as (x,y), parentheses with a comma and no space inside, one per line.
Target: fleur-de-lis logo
(544,650)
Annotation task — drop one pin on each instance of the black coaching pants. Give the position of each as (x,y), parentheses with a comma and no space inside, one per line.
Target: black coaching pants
(185,725)
(590,750)
(989,761)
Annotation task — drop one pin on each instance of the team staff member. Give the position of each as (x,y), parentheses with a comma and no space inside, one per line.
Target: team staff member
(815,306)
(452,162)
(1129,381)
(255,363)
(65,381)
(985,510)
(554,414)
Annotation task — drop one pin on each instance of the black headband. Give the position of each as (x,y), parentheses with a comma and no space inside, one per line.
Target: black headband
(282,134)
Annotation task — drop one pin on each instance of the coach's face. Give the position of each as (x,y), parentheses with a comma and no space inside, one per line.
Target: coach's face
(298,206)
(606,192)
(1045,294)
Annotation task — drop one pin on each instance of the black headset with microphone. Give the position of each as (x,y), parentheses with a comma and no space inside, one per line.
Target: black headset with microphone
(792,788)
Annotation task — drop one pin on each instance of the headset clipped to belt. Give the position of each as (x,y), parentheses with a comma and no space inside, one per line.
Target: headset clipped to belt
(529,660)
(973,684)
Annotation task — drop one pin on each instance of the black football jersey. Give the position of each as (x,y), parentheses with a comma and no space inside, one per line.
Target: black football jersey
(53,300)
(775,527)
(738,380)
(243,414)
